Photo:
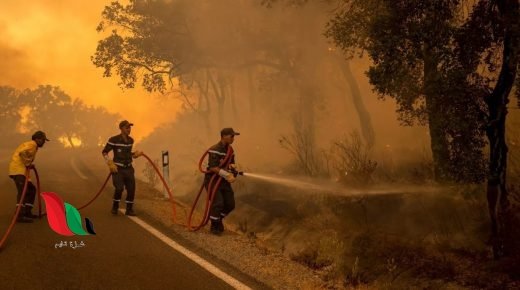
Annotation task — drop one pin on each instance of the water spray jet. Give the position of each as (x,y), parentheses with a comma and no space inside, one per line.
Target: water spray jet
(335,189)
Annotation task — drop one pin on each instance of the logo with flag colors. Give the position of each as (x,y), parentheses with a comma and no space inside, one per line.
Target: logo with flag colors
(64,218)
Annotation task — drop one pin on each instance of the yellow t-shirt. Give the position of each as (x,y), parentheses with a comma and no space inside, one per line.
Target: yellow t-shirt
(17,165)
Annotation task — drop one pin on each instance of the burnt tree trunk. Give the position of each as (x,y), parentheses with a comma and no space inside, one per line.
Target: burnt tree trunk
(218,90)
(436,124)
(365,122)
(203,108)
(497,195)
(233,101)
(252,92)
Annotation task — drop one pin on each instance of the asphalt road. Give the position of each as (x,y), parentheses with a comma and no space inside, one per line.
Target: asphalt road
(121,256)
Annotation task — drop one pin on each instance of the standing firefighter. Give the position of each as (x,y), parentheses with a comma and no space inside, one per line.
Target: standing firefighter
(22,159)
(121,166)
(224,199)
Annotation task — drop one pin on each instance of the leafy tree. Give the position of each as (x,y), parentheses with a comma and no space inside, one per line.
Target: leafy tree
(457,56)
(507,34)
(157,44)
(9,109)
(413,48)
(50,109)
(162,40)
(10,113)
(54,111)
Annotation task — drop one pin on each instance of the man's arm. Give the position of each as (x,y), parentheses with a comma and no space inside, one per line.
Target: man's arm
(108,148)
(232,163)
(136,154)
(111,166)
(27,157)
(214,166)
(214,162)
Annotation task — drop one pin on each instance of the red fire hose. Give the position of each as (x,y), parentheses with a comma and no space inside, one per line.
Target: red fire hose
(97,194)
(174,211)
(19,206)
(211,189)
(42,214)
(105,184)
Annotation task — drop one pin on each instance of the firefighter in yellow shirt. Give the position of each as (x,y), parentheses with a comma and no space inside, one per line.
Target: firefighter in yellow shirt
(23,158)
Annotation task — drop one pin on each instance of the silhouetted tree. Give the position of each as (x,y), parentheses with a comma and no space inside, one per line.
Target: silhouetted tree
(508,34)
(52,110)
(10,114)
(413,46)
(153,43)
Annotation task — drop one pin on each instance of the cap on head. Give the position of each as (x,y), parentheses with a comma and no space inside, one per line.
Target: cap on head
(124,124)
(228,131)
(39,135)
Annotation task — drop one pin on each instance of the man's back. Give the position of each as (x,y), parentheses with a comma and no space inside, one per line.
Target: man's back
(17,164)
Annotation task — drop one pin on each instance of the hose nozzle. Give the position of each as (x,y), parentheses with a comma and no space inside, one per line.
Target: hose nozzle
(236,173)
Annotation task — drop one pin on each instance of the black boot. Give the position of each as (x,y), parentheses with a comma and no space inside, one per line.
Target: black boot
(115,207)
(28,213)
(22,218)
(215,227)
(220,225)
(129,209)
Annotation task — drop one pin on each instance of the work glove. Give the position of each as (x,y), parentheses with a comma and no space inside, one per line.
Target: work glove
(226,175)
(233,169)
(231,178)
(137,154)
(112,166)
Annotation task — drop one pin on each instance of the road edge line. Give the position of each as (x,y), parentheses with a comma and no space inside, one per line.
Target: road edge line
(190,255)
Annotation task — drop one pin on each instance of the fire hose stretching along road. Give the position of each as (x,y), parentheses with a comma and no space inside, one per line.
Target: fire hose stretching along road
(211,189)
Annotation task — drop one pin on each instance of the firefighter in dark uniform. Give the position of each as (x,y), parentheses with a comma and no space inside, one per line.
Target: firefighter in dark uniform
(121,166)
(224,199)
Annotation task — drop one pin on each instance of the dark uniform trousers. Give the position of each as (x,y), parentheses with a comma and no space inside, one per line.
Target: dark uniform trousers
(30,195)
(223,201)
(124,178)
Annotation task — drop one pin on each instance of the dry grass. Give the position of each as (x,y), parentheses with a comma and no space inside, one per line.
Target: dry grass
(352,160)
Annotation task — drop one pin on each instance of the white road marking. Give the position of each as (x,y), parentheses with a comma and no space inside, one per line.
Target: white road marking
(189,254)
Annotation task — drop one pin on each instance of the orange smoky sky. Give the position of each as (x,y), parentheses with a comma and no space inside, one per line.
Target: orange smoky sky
(51,41)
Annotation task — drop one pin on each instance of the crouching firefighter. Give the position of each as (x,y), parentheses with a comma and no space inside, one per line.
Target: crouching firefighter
(121,166)
(224,166)
(22,160)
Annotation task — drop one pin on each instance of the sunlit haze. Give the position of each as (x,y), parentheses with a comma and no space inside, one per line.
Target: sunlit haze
(51,41)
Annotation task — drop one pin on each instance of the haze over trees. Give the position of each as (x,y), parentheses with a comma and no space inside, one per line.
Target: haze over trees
(449,65)
(229,62)
(65,120)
